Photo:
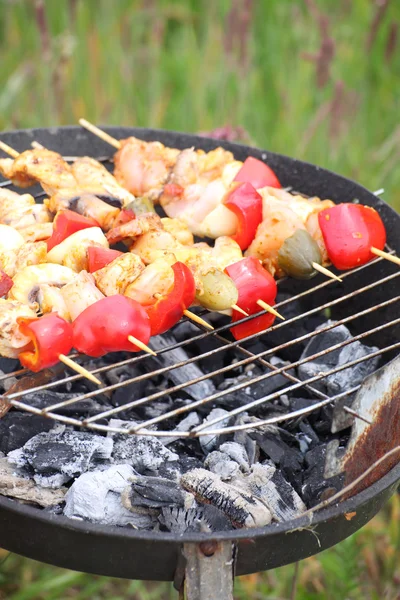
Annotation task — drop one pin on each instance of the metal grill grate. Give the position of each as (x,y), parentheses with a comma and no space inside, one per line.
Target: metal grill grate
(247,357)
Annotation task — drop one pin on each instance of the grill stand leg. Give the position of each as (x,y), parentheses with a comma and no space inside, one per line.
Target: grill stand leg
(209,570)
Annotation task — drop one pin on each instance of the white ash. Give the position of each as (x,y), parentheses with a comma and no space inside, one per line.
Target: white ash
(220,464)
(190,371)
(142,452)
(241,508)
(237,453)
(187,424)
(96,497)
(63,453)
(211,441)
(25,489)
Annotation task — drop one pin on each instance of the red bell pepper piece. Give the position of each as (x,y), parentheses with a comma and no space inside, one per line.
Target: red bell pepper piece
(99,257)
(168,309)
(6,283)
(51,336)
(257,173)
(124,217)
(67,222)
(349,232)
(105,326)
(253,283)
(246,203)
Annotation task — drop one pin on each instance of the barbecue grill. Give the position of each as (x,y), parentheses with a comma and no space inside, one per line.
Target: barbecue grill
(366,302)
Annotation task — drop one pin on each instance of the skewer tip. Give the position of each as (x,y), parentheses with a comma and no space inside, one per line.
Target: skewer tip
(394,259)
(270,309)
(8,150)
(141,345)
(79,369)
(236,307)
(101,134)
(193,317)
(326,272)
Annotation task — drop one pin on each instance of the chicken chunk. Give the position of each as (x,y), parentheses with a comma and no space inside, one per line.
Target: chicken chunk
(132,229)
(12,342)
(115,277)
(143,167)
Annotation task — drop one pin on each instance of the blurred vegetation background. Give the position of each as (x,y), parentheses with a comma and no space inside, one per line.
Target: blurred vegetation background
(314,79)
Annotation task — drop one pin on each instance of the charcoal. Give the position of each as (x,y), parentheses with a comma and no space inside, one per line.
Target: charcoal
(62,452)
(17,428)
(142,452)
(190,421)
(237,453)
(175,469)
(199,390)
(180,520)
(46,398)
(152,492)
(314,481)
(220,464)
(348,378)
(271,487)
(308,431)
(22,488)
(130,392)
(210,442)
(239,506)
(96,497)
(342,380)
(214,519)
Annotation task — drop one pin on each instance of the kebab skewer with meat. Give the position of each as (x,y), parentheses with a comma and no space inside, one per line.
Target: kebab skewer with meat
(185,193)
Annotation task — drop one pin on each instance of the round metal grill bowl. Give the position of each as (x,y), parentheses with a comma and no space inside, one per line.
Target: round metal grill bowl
(122,552)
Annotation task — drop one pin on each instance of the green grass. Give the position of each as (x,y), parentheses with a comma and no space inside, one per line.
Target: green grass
(194,65)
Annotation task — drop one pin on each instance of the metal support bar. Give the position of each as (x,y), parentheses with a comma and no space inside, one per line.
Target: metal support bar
(209,570)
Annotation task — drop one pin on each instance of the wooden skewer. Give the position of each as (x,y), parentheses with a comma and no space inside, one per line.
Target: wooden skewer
(197,319)
(37,145)
(325,271)
(101,134)
(269,309)
(382,254)
(141,345)
(8,150)
(78,368)
(236,307)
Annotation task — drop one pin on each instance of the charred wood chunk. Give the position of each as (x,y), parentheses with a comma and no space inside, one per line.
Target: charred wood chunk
(239,506)
(220,464)
(237,453)
(153,492)
(268,484)
(57,456)
(17,428)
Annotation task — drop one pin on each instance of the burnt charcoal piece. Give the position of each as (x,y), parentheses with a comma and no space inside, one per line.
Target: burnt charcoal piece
(241,507)
(199,390)
(17,428)
(142,452)
(174,470)
(46,398)
(342,380)
(62,452)
(220,464)
(153,492)
(211,441)
(214,519)
(96,497)
(271,487)
(128,393)
(243,438)
(190,421)
(314,482)
(237,453)
(179,519)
